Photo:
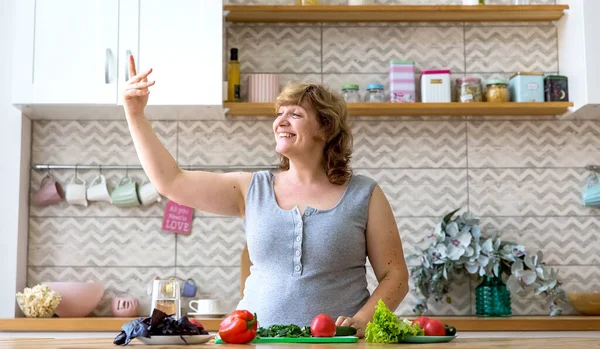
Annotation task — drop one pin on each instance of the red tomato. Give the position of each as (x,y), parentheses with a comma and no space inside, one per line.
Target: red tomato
(421,320)
(322,326)
(434,327)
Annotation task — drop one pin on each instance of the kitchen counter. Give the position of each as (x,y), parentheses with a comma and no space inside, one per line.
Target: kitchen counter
(462,323)
(463,343)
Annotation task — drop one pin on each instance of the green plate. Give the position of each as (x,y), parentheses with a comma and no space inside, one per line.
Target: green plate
(336,339)
(428,339)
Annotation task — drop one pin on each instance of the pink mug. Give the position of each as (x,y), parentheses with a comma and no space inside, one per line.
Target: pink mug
(50,192)
(124,307)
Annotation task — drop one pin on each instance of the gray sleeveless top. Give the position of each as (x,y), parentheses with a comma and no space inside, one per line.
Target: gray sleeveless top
(305,265)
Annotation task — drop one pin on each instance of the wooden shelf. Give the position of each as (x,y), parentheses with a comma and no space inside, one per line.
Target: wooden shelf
(421,109)
(462,323)
(394,13)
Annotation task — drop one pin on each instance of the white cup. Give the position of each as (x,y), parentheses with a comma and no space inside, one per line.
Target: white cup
(76,192)
(98,190)
(148,194)
(205,306)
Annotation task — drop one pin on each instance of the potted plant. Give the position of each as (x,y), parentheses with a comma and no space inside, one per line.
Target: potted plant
(458,245)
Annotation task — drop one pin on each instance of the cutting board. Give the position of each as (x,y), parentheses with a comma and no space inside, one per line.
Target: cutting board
(337,339)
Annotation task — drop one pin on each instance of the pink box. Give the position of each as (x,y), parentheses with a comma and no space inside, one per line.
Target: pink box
(402,81)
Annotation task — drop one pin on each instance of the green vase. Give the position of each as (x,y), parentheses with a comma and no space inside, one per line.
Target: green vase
(492,298)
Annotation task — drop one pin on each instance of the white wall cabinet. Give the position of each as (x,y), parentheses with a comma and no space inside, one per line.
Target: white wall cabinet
(71,48)
(74,52)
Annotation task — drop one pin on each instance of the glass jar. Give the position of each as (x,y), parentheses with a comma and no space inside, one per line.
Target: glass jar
(469,89)
(497,91)
(350,93)
(375,93)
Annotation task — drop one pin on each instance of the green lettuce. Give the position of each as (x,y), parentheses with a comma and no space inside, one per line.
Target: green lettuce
(387,328)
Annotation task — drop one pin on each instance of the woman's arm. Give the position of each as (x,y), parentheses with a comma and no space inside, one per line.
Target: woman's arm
(211,192)
(384,249)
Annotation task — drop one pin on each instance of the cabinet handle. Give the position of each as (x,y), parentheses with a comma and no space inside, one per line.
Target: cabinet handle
(127,66)
(106,66)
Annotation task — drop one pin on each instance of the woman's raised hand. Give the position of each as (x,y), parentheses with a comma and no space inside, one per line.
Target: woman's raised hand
(135,94)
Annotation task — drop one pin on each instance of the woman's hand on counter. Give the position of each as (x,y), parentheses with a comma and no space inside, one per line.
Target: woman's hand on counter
(359,324)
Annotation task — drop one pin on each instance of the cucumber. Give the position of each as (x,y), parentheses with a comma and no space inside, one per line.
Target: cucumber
(345,331)
(450,331)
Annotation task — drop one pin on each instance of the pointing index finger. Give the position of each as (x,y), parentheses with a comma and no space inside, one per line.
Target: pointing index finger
(132,71)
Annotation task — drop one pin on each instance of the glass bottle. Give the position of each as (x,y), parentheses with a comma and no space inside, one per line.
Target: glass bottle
(492,298)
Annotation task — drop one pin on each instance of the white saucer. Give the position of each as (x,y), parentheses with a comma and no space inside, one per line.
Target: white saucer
(210,315)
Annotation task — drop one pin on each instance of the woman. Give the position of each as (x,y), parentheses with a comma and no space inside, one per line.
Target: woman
(309,228)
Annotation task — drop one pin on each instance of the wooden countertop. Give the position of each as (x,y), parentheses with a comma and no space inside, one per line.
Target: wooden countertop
(462,323)
(463,343)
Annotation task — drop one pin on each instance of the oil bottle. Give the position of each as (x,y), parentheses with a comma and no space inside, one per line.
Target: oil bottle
(233,77)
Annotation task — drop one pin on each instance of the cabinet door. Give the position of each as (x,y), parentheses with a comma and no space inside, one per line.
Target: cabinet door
(182,40)
(75,51)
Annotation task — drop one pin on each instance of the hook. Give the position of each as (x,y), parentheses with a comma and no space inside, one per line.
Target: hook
(100,169)
(126,171)
(75,171)
(48,171)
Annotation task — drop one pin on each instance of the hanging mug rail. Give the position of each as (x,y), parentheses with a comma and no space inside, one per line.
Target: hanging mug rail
(41,167)
(594,168)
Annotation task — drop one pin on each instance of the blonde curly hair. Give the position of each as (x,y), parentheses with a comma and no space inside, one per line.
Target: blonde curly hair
(332,115)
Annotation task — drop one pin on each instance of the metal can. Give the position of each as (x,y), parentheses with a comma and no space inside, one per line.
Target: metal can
(526,87)
(556,88)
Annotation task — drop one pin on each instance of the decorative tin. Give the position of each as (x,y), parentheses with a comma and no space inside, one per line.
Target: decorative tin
(402,81)
(526,87)
(435,86)
(556,88)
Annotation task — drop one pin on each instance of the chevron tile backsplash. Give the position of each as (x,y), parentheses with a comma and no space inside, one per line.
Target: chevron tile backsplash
(522,176)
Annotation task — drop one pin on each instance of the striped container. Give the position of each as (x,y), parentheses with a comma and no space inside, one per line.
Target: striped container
(263,88)
(402,81)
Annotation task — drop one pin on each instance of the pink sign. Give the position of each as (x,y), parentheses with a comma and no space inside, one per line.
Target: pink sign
(178,218)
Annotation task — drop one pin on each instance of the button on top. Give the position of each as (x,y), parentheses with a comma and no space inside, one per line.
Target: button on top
(307,213)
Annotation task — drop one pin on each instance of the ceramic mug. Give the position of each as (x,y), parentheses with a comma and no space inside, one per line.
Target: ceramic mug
(98,190)
(125,194)
(591,192)
(205,306)
(50,192)
(189,288)
(148,194)
(76,192)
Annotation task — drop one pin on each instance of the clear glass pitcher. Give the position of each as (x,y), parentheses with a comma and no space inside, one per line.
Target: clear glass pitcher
(166,297)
